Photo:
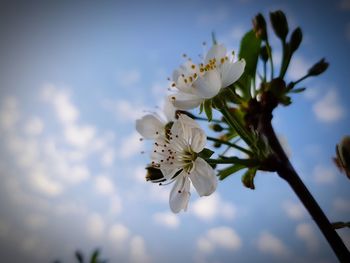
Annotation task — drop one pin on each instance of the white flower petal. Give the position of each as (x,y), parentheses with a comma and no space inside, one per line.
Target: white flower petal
(231,72)
(208,85)
(169,110)
(149,127)
(169,172)
(189,122)
(217,51)
(186,69)
(180,194)
(183,86)
(186,124)
(185,101)
(199,139)
(203,177)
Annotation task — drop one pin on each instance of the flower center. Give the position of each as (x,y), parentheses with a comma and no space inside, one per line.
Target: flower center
(188,157)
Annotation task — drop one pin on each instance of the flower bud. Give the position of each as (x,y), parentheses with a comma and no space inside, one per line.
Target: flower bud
(216,127)
(264,54)
(248,178)
(295,39)
(279,24)
(343,155)
(259,26)
(217,144)
(318,68)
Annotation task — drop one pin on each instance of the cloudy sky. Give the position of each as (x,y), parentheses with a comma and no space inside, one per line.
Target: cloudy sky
(74,76)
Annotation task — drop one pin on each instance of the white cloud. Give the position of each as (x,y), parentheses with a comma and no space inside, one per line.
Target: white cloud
(344,4)
(324,174)
(128,78)
(35,221)
(107,158)
(118,233)
(69,208)
(167,219)
(34,126)
(78,173)
(341,205)
(204,245)
(138,251)
(294,210)
(328,108)
(159,88)
(116,205)
(124,110)
(130,146)
(140,174)
(66,111)
(270,244)
(306,232)
(9,113)
(208,208)
(79,136)
(219,237)
(104,185)
(45,184)
(95,226)
(159,194)
(298,67)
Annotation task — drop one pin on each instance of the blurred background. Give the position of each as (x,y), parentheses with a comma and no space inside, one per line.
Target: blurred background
(74,76)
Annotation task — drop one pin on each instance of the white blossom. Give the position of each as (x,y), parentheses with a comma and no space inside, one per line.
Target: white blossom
(176,155)
(196,83)
(151,126)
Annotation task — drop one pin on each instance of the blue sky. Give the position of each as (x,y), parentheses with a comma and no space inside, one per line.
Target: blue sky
(73,79)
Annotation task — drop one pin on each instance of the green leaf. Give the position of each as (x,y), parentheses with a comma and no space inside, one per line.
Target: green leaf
(208,109)
(201,108)
(206,153)
(94,256)
(249,51)
(285,100)
(299,90)
(248,178)
(230,170)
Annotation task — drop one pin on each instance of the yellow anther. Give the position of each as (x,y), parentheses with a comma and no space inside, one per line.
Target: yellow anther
(193,66)
(222,60)
(185,80)
(190,78)
(173,85)
(195,75)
